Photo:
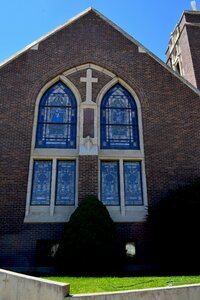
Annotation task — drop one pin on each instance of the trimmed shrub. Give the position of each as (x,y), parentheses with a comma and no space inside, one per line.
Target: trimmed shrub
(174,227)
(90,245)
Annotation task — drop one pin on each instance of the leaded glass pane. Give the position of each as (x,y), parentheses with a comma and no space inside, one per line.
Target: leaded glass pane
(41,186)
(110,183)
(119,123)
(133,183)
(65,185)
(57,118)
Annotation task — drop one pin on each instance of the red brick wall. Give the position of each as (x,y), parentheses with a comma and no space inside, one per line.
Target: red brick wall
(170,116)
(186,55)
(88,176)
(194,42)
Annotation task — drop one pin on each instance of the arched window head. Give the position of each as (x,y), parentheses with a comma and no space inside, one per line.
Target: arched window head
(119,120)
(57,118)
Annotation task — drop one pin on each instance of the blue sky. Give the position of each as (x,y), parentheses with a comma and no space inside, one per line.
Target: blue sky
(148,21)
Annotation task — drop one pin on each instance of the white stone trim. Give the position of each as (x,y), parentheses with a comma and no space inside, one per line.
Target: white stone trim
(53,186)
(141,49)
(124,213)
(121,186)
(89,66)
(100,96)
(51,213)
(145,51)
(29,188)
(77,95)
(89,104)
(94,148)
(89,80)
(35,47)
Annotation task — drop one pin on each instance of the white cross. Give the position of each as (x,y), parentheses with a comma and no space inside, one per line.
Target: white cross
(89,80)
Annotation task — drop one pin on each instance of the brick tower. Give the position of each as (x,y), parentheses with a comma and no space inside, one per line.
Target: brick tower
(183,52)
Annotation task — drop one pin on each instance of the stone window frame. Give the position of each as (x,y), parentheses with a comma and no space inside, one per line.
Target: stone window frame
(52,212)
(84,105)
(46,107)
(124,213)
(132,128)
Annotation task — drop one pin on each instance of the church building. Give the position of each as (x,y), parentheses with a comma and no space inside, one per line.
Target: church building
(88,110)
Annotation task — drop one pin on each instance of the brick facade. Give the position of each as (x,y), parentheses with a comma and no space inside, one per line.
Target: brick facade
(88,176)
(170,118)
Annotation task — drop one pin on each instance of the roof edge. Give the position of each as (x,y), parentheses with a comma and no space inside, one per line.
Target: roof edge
(129,37)
(124,33)
(44,37)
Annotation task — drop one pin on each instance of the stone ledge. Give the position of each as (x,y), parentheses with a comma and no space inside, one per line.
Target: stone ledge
(185,292)
(18,286)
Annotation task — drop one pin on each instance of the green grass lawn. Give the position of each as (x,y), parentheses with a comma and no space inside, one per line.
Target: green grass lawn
(82,285)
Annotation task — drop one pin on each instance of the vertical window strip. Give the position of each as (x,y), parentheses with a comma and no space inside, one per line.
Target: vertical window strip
(41,182)
(133,183)
(65,182)
(110,187)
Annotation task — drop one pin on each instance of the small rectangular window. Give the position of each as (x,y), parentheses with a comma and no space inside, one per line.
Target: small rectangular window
(133,183)
(41,184)
(65,184)
(110,182)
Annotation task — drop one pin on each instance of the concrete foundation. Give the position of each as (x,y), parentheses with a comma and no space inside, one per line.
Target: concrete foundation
(14,286)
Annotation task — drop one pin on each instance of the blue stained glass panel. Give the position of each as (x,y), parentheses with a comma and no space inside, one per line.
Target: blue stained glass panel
(119,121)
(133,183)
(41,186)
(65,186)
(57,118)
(110,183)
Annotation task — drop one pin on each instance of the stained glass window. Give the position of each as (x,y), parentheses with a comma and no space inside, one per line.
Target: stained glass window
(110,182)
(41,186)
(133,183)
(57,118)
(65,185)
(119,120)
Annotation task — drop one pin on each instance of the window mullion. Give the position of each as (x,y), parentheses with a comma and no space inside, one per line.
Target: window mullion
(121,176)
(30,180)
(76,182)
(53,188)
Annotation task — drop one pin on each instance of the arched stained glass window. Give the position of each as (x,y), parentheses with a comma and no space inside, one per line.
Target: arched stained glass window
(57,118)
(119,120)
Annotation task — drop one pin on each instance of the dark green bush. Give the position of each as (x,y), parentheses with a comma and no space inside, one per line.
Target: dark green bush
(90,245)
(174,227)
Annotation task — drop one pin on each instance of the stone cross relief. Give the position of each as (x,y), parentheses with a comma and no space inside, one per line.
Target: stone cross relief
(89,80)
(88,145)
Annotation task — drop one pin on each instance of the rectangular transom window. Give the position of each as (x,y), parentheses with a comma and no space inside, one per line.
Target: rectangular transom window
(65,184)
(41,184)
(53,182)
(121,183)
(110,182)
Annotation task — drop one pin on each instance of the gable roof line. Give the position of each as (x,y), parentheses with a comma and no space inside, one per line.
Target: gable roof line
(125,34)
(44,37)
(129,37)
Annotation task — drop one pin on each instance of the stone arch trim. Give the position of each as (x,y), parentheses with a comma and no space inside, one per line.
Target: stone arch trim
(69,84)
(105,89)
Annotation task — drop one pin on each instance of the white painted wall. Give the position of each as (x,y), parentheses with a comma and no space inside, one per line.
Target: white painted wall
(14,286)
